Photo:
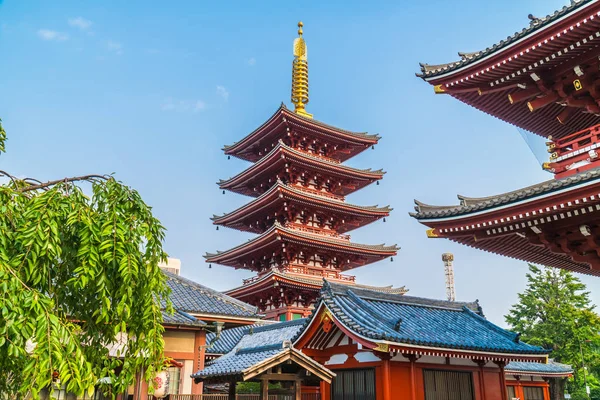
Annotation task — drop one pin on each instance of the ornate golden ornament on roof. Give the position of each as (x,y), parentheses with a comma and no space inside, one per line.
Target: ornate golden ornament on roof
(383,347)
(431,233)
(300,74)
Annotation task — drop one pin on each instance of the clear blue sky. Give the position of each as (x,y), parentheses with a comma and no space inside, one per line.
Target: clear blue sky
(152,90)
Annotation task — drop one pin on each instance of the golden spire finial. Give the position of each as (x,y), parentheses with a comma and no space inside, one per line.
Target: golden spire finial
(300,74)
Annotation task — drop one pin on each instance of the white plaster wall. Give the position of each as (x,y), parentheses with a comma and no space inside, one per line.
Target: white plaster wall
(186,371)
(337,359)
(432,360)
(366,356)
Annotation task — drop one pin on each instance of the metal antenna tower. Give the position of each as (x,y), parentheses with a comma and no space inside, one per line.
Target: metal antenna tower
(448,259)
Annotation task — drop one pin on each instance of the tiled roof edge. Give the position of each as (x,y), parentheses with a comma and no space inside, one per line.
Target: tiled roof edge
(213,292)
(260,349)
(431,71)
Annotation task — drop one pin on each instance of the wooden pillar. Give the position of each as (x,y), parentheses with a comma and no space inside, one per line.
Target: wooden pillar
(325,390)
(140,389)
(519,389)
(504,393)
(199,350)
(264,389)
(298,389)
(481,364)
(546,391)
(231,395)
(387,381)
(413,375)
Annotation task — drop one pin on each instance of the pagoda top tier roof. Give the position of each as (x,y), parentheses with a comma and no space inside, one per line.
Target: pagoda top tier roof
(473,205)
(283,120)
(308,281)
(269,164)
(280,189)
(550,54)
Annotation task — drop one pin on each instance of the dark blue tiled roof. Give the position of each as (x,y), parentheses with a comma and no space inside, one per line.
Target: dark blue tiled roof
(234,364)
(192,297)
(551,368)
(256,345)
(181,318)
(227,339)
(418,321)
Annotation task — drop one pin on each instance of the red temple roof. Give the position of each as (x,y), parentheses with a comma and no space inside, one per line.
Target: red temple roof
(537,26)
(538,55)
(280,193)
(268,169)
(272,240)
(278,126)
(554,223)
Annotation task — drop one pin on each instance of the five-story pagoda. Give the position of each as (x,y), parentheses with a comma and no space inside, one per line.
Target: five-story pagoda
(299,211)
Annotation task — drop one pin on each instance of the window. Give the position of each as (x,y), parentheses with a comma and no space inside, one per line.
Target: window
(448,385)
(174,379)
(296,316)
(353,384)
(282,317)
(533,393)
(510,390)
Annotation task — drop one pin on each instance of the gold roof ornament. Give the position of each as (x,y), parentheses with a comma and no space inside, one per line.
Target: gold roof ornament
(300,74)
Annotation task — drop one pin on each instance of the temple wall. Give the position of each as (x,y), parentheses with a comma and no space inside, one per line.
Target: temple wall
(184,346)
(400,384)
(179,341)
(400,376)
(493,385)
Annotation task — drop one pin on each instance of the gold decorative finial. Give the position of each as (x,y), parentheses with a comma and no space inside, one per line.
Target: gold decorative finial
(300,74)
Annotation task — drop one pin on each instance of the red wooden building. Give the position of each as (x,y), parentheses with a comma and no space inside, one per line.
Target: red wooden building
(543,79)
(298,183)
(371,345)
(529,381)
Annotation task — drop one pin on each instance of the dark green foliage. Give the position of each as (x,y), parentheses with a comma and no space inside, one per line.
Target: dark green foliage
(76,274)
(555,312)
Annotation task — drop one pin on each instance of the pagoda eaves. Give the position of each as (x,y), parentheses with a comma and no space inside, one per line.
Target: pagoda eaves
(285,124)
(296,284)
(541,79)
(291,165)
(286,245)
(287,203)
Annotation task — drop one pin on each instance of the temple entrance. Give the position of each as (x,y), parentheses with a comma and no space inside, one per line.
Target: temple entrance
(353,384)
(448,385)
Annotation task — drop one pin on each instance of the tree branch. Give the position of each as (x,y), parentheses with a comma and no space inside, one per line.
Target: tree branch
(44,185)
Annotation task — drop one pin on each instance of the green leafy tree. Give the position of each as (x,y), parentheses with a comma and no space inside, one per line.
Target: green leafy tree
(78,274)
(555,312)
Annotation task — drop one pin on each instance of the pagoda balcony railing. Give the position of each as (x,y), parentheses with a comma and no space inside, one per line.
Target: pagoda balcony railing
(311,153)
(251,280)
(316,271)
(574,153)
(304,270)
(318,193)
(319,231)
